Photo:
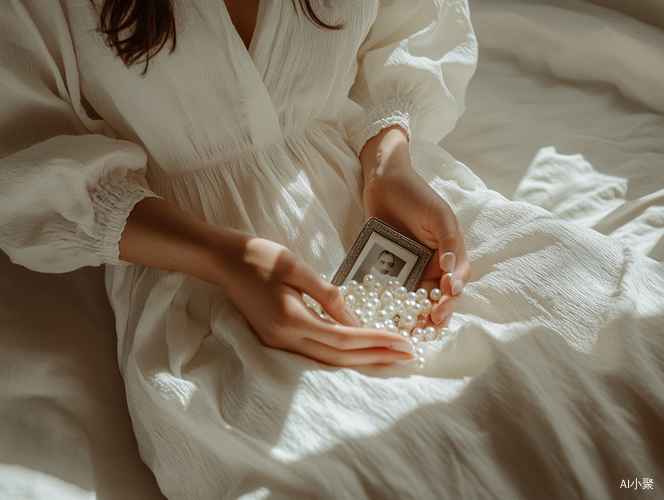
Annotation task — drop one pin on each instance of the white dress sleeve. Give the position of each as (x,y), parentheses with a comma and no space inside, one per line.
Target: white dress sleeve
(413,69)
(66,184)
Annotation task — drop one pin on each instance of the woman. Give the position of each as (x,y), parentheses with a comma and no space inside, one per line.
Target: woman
(246,160)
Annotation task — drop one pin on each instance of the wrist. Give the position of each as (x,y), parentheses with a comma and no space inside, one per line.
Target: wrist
(384,153)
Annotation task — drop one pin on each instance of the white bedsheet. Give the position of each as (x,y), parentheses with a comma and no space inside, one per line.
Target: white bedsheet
(555,118)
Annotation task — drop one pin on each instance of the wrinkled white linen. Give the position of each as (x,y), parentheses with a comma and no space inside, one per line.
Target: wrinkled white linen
(551,384)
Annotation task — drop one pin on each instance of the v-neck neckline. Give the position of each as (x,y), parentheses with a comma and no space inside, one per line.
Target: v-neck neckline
(251,49)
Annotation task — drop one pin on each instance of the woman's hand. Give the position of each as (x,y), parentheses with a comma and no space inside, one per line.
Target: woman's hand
(264,280)
(396,194)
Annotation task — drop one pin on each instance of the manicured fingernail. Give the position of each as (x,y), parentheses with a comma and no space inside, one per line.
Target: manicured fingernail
(349,317)
(406,362)
(457,286)
(402,347)
(447,262)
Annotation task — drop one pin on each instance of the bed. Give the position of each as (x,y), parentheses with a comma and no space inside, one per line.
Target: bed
(565,112)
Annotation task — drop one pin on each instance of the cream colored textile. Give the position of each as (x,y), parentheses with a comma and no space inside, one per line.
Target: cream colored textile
(558,329)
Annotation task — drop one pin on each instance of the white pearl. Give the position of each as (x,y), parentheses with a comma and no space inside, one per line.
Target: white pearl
(376,303)
(422,294)
(435,294)
(419,352)
(400,293)
(351,300)
(368,280)
(362,301)
(404,333)
(382,316)
(391,328)
(418,333)
(323,276)
(397,283)
(343,289)
(416,310)
(390,310)
(411,296)
(407,322)
(360,291)
(386,298)
(369,307)
(408,305)
(358,312)
(426,306)
(377,287)
(397,302)
(442,332)
(420,363)
(401,311)
(369,316)
(391,285)
(415,342)
(429,333)
(364,321)
(378,325)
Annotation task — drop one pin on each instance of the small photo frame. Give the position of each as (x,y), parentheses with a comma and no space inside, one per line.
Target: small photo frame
(385,253)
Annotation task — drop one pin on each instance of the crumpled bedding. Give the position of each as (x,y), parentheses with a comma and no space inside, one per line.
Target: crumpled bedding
(551,384)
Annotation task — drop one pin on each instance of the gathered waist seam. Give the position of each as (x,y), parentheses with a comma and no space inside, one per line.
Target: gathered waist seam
(228,158)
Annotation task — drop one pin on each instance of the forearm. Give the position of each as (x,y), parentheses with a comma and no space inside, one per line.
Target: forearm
(159,234)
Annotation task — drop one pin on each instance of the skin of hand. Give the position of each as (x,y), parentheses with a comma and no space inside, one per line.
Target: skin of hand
(265,282)
(397,195)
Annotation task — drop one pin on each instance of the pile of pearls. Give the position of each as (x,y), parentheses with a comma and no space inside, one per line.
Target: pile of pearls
(390,307)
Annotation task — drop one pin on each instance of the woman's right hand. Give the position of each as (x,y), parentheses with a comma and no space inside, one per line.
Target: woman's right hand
(266,281)
(263,279)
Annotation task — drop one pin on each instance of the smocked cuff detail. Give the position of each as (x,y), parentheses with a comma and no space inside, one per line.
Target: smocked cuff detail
(397,111)
(113,200)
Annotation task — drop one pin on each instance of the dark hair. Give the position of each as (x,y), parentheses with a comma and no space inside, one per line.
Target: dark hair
(138,29)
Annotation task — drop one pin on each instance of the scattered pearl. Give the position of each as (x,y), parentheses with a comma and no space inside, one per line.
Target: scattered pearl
(430,333)
(418,352)
(368,280)
(382,316)
(377,287)
(404,333)
(323,276)
(420,363)
(435,294)
(369,307)
(416,310)
(411,296)
(415,342)
(360,291)
(391,285)
(426,306)
(352,285)
(407,322)
(391,328)
(343,289)
(400,293)
(422,295)
(386,298)
(418,333)
(351,300)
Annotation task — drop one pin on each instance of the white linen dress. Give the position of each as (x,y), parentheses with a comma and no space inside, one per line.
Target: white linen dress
(266,141)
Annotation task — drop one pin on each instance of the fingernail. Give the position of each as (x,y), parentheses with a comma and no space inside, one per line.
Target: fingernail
(457,286)
(349,317)
(402,347)
(448,261)
(406,362)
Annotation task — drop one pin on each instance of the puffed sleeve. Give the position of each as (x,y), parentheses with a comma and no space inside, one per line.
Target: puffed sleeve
(66,184)
(413,69)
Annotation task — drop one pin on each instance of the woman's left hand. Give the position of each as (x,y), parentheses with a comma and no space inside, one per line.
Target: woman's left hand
(397,195)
